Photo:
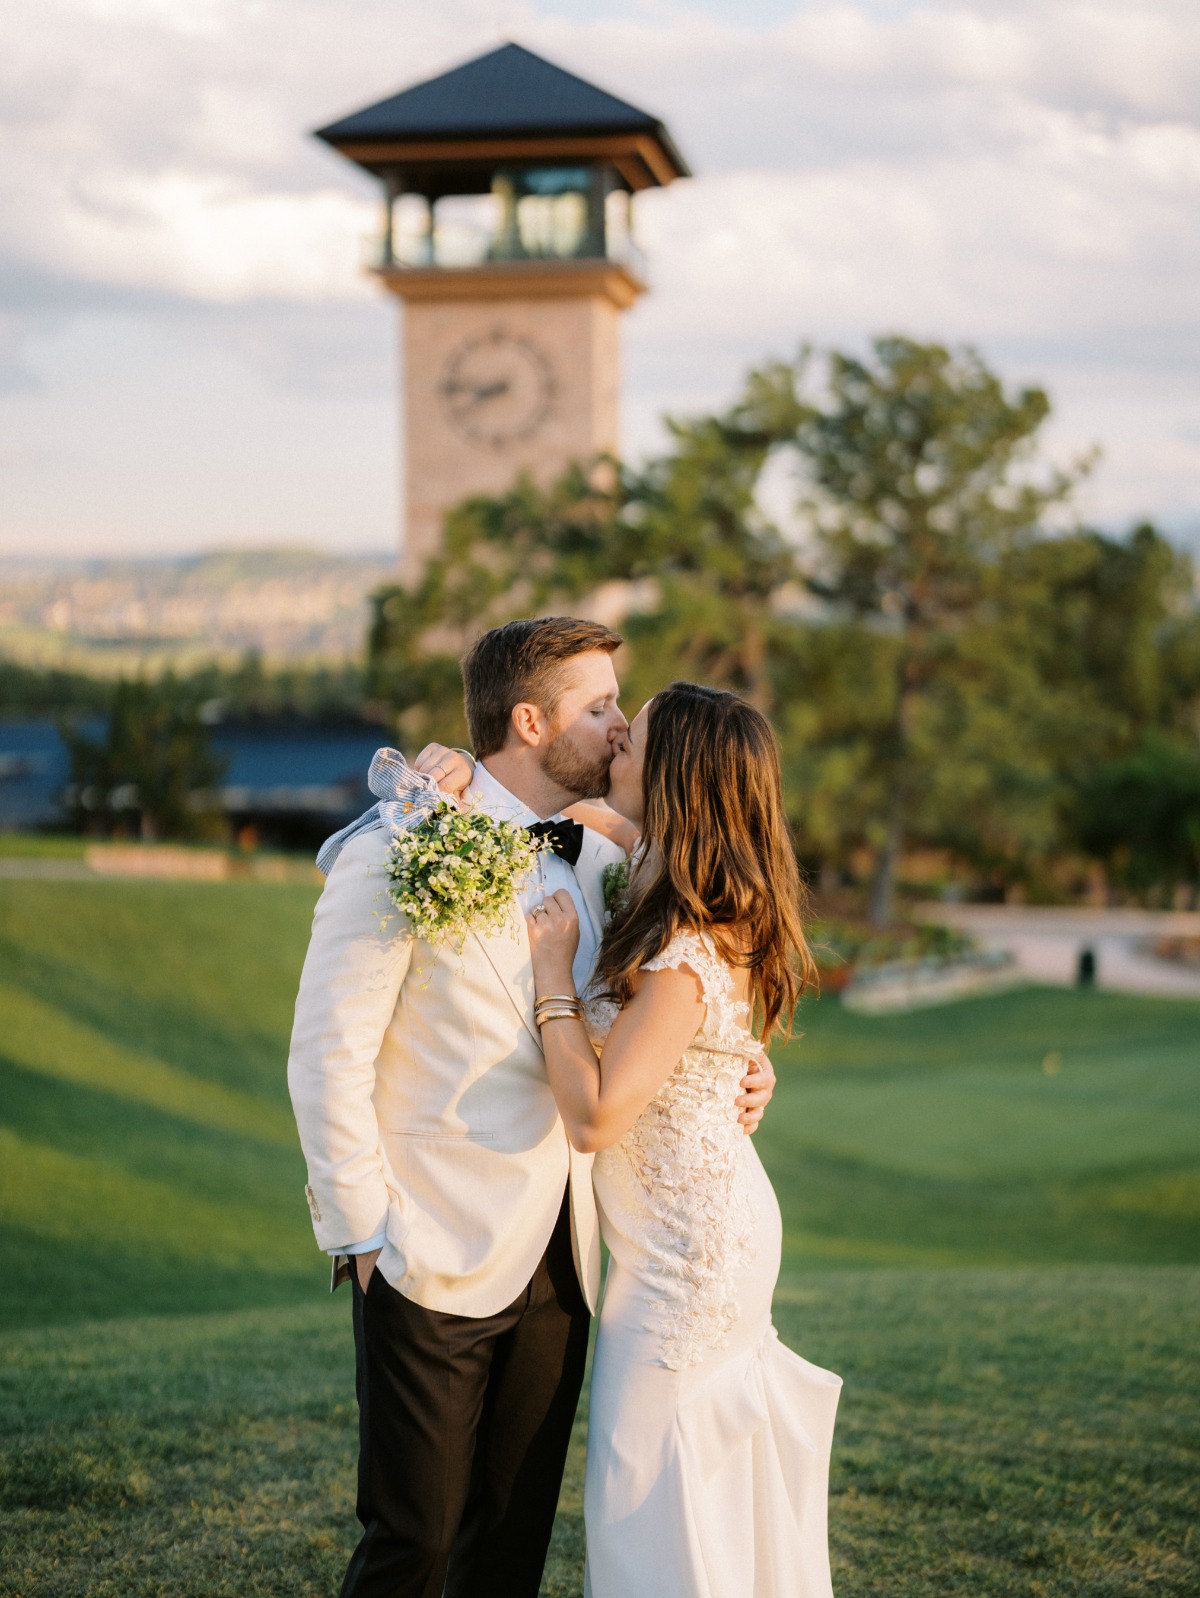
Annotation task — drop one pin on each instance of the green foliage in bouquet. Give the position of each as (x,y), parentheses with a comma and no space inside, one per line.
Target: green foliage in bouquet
(615,883)
(456,872)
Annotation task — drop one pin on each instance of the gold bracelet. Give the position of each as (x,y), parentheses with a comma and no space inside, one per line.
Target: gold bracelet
(571,1006)
(557,998)
(556,1015)
(553,1008)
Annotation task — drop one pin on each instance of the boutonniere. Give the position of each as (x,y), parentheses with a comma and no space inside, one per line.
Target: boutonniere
(456,871)
(614,881)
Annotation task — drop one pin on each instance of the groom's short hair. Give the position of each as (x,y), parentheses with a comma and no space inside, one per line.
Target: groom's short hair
(522,663)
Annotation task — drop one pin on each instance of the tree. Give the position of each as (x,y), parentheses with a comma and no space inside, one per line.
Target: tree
(1114,621)
(940,666)
(1114,630)
(150,765)
(1140,815)
(920,491)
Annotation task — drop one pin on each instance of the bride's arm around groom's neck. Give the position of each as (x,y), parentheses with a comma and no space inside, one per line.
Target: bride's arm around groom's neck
(594,813)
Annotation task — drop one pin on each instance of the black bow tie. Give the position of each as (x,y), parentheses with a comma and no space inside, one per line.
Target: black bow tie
(565,838)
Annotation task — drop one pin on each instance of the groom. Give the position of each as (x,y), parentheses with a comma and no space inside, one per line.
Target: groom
(440,1177)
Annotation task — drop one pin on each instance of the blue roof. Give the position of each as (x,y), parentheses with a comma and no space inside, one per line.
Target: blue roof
(508,92)
(264,763)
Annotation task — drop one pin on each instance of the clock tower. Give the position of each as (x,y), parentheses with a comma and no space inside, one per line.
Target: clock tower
(508,189)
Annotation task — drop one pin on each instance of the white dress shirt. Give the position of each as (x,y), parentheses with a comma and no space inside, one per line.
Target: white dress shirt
(486,794)
(553,872)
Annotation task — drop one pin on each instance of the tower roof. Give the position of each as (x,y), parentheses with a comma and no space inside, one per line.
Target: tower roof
(510,104)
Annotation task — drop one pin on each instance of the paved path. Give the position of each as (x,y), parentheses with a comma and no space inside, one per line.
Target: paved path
(111,864)
(1047,943)
(40,869)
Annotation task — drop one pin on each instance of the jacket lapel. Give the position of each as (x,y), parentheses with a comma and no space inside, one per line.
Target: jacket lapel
(508,950)
(508,954)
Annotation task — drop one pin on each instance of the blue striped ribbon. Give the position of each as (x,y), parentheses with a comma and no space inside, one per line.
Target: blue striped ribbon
(404,796)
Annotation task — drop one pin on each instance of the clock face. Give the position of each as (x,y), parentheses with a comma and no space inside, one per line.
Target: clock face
(497,388)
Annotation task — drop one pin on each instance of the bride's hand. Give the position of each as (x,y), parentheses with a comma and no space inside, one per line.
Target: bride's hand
(553,939)
(449,768)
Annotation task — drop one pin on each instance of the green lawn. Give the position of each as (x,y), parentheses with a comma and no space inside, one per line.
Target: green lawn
(145,1135)
(997,1250)
(940,1138)
(1003,1434)
(39,846)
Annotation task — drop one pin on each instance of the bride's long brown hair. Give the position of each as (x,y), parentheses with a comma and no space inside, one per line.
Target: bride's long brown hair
(715,854)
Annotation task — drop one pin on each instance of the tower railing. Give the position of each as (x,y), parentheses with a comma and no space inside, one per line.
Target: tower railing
(461,248)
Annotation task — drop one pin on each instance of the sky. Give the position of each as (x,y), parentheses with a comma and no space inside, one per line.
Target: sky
(191,355)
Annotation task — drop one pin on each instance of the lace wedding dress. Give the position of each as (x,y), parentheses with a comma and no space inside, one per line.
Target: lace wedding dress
(708,1440)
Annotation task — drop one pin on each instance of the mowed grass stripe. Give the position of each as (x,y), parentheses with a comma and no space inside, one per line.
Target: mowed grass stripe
(41,1038)
(838,1209)
(1009,1121)
(201,976)
(69,1199)
(820,1247)
(152,1143)
(1175,1194)
(1010,1031)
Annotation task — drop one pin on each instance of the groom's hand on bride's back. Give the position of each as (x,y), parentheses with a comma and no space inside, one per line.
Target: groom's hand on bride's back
(757,1087)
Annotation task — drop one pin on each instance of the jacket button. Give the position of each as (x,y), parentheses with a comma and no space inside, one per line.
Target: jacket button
(312,1203)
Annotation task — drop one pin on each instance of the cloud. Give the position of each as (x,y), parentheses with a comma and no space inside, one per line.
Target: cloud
(15,376)
(212,240)
(1020,175)
(161,141)
(1066,230)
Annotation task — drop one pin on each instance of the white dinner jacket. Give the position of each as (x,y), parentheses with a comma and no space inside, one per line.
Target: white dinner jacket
(421,1096)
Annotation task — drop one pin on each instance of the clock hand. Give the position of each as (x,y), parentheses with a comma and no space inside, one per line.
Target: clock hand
(478,391)
(489,391)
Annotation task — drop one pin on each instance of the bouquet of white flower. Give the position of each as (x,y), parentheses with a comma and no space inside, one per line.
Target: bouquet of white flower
(456,871)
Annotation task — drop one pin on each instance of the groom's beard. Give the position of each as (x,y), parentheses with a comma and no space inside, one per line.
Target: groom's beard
(563,763)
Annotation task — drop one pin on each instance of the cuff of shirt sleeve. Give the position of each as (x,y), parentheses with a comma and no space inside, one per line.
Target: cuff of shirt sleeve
(375,1242)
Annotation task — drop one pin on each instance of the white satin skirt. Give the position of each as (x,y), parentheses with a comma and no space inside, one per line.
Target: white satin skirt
(710,1481)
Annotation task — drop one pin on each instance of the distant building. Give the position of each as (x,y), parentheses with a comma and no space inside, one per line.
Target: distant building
(284,785)
(292,786)
(508,187)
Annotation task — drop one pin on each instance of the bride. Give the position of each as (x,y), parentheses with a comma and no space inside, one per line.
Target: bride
(708,1440)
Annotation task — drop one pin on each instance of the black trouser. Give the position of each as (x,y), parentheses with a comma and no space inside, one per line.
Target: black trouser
(463,1430)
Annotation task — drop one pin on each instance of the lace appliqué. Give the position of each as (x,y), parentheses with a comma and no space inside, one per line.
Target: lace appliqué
(680,1169)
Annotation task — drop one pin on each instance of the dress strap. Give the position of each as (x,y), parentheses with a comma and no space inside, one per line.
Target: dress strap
(724,1030)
